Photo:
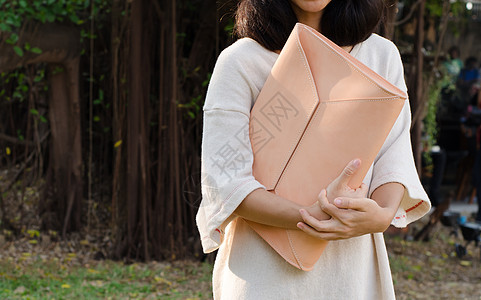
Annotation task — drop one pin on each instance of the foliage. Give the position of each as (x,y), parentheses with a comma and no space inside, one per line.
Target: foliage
(435,11)
(458,13)
(193,108)
(435,8)
(430,120)
(18,79)
(16,88)
(16,13)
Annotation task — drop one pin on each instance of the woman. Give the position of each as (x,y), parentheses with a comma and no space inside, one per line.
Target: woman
(355,264)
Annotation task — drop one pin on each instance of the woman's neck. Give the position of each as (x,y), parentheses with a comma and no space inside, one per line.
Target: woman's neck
(313,20)
(310,19)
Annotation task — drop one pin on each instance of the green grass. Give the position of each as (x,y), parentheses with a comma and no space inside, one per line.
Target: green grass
(37,278)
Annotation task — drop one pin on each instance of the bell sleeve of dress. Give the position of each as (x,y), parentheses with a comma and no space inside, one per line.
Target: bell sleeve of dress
(395,161)
(226,154)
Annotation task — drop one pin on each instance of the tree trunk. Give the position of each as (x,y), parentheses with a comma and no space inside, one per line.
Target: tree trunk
(416,86)
(120,57)
(133,122)
(64,189)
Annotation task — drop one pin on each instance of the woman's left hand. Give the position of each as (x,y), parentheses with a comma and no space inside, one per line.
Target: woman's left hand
(350,217)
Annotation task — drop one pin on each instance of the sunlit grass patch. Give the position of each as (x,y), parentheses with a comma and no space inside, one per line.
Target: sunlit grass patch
(58,279)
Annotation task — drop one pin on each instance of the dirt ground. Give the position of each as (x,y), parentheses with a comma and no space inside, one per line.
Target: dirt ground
(431,270)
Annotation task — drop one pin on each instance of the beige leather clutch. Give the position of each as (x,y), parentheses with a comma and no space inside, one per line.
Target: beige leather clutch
(319,109)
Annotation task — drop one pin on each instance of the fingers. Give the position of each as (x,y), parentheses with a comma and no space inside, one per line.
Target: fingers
(362,190)
(357,204)
(309,219)
(319,234)
(349,170)
(328,230)
(327,207)
(331,225)
(349,203)
(345,218)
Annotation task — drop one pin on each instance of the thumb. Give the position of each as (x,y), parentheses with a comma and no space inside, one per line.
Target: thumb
(349,170)
(350,203)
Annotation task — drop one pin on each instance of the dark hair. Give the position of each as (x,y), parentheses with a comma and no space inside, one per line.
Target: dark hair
(269,22)
(453,49)
(470,62)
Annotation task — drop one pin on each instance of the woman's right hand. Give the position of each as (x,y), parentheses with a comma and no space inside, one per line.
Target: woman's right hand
(339,188)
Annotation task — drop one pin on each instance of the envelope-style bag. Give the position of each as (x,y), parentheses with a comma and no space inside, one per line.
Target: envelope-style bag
(319,109)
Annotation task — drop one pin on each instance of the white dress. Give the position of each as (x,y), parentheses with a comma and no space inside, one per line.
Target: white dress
(246,267)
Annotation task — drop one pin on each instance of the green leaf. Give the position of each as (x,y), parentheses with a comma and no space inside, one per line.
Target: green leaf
(17,94)
(33,233)
(18,50)
(20,78)
(96,118)
(206,82)
(33,111)
(5,27)
(42,119)
(20,135)
(57,70)
(36,50)
(74,19)
(50,17)
(13,39)
(41,17)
